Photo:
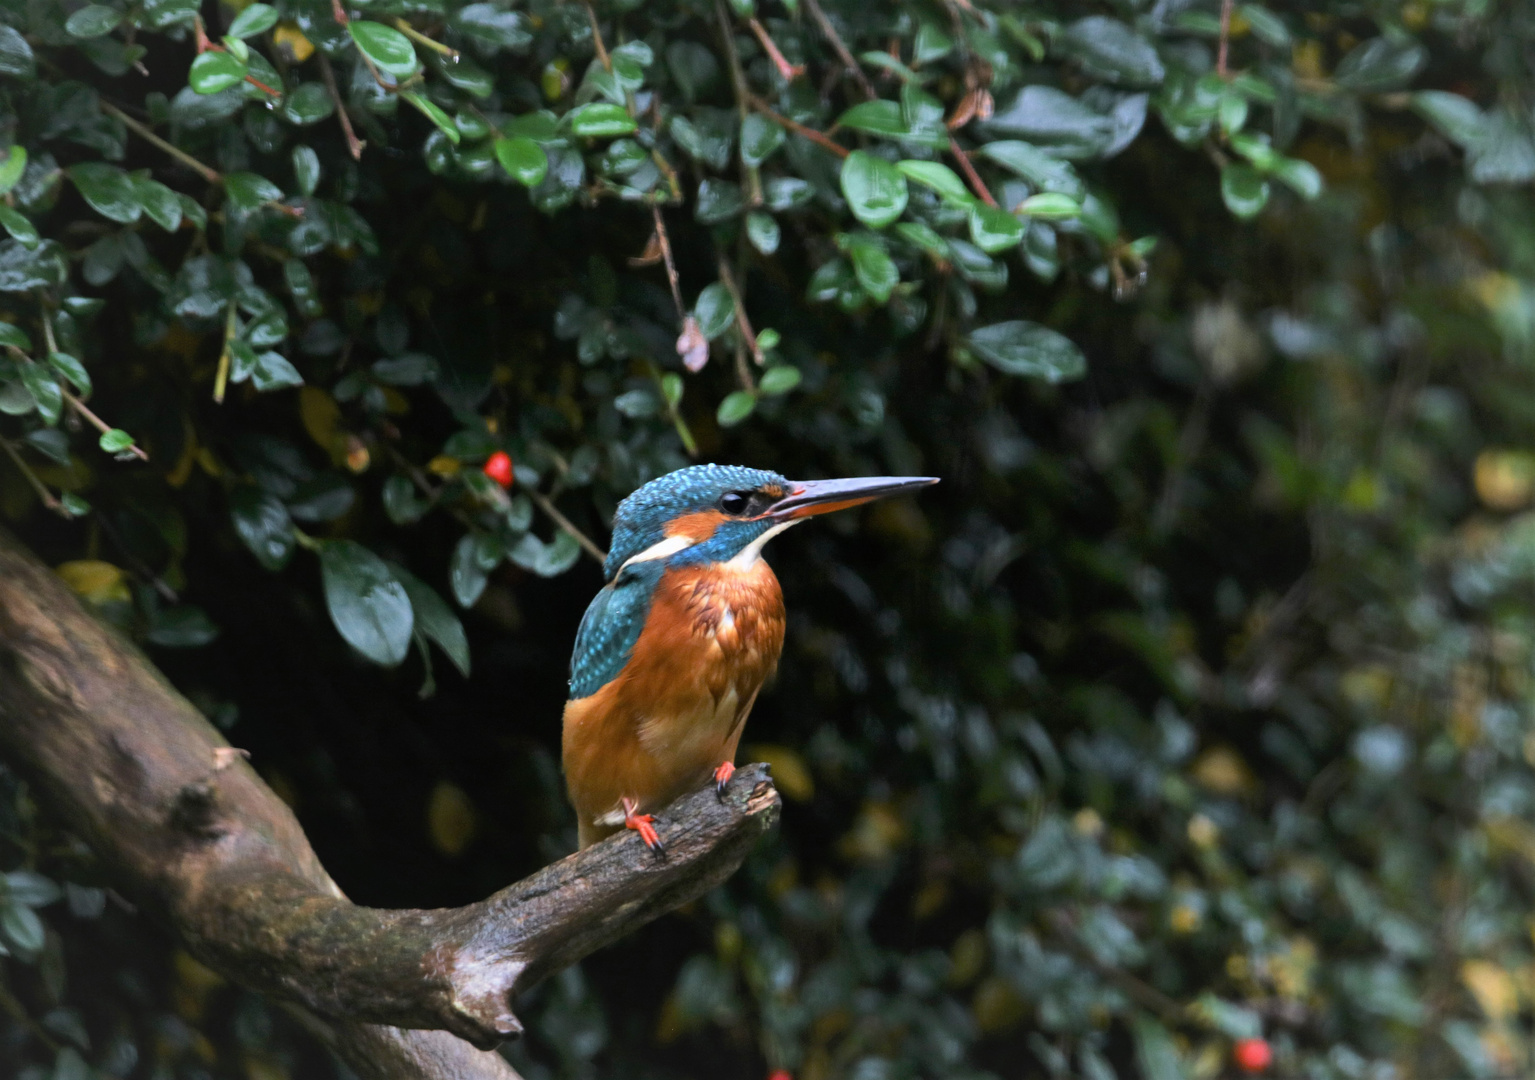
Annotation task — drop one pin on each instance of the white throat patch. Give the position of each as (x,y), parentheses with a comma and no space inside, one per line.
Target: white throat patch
(659,550)
(747,557)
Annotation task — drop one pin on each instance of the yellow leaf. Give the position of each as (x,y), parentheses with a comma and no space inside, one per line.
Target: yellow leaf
(320,414)
(1306,59)
(450,818)
(1203,833)
(1504,479)
(1223,771)
(93,580)
(876,832)
(790,773)
(996,1006)
(1492,987)
(443,465)
(290,39)
(967,957)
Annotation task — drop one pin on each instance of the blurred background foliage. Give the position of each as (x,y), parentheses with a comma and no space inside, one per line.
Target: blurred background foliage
(1194,707)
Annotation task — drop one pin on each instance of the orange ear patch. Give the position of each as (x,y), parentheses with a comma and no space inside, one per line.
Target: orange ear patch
(696,527)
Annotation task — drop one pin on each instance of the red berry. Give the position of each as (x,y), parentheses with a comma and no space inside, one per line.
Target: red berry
(1252,1055)
(499,468)
(780,1074)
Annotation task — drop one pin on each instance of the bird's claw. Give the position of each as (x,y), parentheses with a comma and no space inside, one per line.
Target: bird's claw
(722,774)
(644,825)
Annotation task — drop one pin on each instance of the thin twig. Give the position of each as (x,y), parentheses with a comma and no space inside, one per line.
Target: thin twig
(540,501)
(31,477)
(98,423)
(213,176)
(421,39)
(221,379)
(1220,56)
(817,137)
(841,49)
(973,177)
(787,71)
(743,324)
(354,145)
(666,256)
(602,52)
(738,84)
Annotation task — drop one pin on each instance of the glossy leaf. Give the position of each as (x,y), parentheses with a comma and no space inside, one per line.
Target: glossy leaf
(12,168)
(763,232)
(993,229)
(1244,190)
(213,72)
(715,311)
(1030,350)
(253,19)
(523,159)
(389,50)
(108,190)
(92,21)
(735,408)
(875,189)
(434,619)
(601,120)
(367,604)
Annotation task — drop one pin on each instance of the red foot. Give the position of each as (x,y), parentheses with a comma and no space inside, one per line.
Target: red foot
(722,775)
(641,823)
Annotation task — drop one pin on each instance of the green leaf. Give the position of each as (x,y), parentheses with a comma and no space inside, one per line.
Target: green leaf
(940,178)
(18,225)
(546,560)
(492,27)
(401,502)
(248,191)
(13,335)
(1044,171)
(779,380)
(1046,116)
(263,525)
(1300,176)
(931,44)
(1266,26)
(92,21)
(718,200)
(875,189)
(762,231)
(44,389)
(388,49)
(715,310)
(434,619)
(253,19)
(1379,64)
(21,931)
(160,203)
(215,71)
(473,559)
(1110,50)
(16,57)
(1244,189)
(737,406)
(602,120)
(107,189)
(306,169)
(759,138)
(115,441)
(71,369)
(993,229)
(430,110)
(12,168)
(367,603)
(1459,118)
(1030,350)
(1049,206)
(32,889)
(182,627)
(523,159)
(873,266)
(1232,113)
(877,118)
(272,371)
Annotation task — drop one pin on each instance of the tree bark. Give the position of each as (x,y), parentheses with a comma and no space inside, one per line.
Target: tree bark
(188,830)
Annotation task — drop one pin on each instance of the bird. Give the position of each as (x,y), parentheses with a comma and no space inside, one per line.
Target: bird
(673,650)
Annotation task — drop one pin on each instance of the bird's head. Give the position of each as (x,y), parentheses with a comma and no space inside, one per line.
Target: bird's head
(716,513)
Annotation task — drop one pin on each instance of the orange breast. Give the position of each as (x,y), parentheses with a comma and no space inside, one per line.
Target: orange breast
(678,707)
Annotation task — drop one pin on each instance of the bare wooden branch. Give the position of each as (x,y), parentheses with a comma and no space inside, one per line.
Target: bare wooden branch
(190,832)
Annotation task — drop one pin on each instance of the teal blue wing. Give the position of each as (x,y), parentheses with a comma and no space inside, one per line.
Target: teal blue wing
(610,628)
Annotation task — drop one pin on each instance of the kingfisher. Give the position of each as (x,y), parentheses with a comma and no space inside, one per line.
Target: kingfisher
(672,652)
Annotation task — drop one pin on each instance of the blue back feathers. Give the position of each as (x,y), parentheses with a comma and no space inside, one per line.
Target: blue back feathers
(617,614)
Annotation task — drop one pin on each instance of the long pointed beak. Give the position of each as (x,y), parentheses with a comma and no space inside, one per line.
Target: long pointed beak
(809,497)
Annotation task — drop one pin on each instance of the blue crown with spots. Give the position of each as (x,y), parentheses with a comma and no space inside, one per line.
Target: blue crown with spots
(641,518)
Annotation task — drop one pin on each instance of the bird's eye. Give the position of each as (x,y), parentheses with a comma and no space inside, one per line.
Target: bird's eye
(732,502)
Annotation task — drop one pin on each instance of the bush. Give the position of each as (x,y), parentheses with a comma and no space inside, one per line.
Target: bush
(1192,708)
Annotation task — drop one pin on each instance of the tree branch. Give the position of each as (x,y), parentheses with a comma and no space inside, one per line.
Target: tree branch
(190,832)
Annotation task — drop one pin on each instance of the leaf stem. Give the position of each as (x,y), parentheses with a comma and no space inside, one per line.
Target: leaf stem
(787,71)
(540,501)
(38,486)
(221,379)
(817,137)
(354,145)
(602,51)
(421,39)
(840,48)
(743,324)
(666,256)
(1225,45)
(973,177)
(97,422)
(213,176)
